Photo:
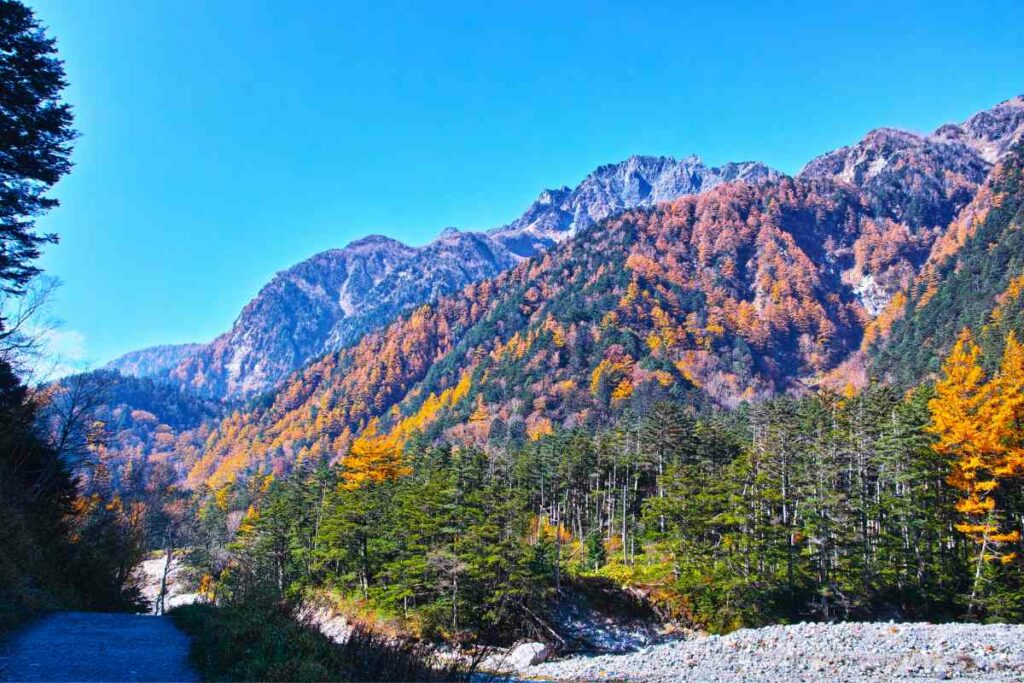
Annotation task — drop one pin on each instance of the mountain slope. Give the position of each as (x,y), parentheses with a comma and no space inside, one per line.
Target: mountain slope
(333,298)
(915,185)
(920,181)
(979,286)
(155,360)
(288,321)
(444,266)
(732,294)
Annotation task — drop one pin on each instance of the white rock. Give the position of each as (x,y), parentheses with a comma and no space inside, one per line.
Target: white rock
(526,655)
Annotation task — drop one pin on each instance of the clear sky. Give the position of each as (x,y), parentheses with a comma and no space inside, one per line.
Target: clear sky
(224,141)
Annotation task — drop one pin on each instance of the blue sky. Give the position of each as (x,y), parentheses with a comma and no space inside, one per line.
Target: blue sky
(224,141)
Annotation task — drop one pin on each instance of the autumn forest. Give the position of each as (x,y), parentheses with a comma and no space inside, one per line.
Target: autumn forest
(701,398)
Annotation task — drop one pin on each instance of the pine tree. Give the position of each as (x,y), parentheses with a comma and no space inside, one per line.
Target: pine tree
(35,139)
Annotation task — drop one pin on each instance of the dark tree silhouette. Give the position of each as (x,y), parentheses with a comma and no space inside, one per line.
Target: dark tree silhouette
(35,139)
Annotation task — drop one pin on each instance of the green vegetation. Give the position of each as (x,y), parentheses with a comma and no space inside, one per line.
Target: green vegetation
(266,644)
(821,508)
(977,288)
(441,546)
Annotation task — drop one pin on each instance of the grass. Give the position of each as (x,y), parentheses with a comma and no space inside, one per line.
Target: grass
(264,643)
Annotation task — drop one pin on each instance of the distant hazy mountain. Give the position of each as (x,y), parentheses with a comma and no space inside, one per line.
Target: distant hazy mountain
(155,360)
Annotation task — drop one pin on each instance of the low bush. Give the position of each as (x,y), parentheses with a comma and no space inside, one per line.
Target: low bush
(265,643)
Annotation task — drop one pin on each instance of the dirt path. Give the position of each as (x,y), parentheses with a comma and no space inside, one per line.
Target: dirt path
(89,646)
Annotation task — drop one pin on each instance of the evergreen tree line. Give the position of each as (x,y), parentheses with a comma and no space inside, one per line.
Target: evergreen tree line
(826,507)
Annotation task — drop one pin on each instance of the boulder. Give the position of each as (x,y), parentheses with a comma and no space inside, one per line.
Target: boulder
(526,655)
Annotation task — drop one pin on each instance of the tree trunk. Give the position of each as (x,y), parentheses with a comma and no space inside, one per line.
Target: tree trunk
(158,608)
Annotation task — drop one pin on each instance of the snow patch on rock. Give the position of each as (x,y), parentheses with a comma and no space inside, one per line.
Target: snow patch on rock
(871,295)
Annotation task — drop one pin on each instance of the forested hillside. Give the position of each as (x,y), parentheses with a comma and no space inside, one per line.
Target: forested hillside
(758,286)
(977,286)
(610,411)
(743,405)
(875,504)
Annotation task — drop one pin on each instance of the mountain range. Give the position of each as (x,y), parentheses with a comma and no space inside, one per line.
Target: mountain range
(329,300)
(653,278)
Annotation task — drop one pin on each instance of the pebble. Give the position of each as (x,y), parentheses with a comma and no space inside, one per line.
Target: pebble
(835,652)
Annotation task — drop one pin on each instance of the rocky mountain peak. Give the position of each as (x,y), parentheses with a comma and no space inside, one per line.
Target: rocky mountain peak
(371,242)
(868,158)
(969,148)
(550,197)
(992,132)
(922,181)
(637,181)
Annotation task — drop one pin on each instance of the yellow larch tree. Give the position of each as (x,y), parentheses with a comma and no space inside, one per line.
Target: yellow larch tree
(480,412)
(373,459)
(1008,409)
(978,424)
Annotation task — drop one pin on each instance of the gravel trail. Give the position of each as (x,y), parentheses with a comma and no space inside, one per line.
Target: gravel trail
(90,646)
(814,652)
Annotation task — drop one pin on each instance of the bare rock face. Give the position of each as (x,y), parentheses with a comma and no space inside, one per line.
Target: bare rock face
(288,321)
(446,265)
(528,654)
(638,181)
(990,133)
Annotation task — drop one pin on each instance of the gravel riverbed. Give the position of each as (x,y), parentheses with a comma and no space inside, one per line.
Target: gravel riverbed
(813,652)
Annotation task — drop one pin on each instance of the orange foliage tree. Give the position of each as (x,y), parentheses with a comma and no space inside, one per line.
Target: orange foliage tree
(373,459)
(978,422)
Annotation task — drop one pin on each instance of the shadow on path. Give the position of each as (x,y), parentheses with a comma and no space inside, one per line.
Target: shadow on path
(90,646)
